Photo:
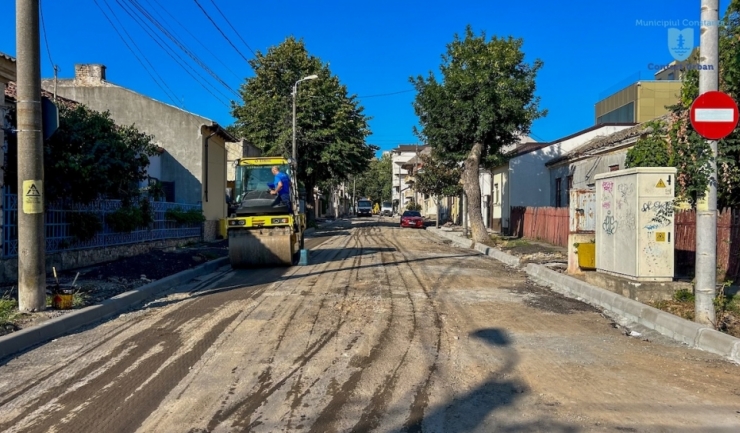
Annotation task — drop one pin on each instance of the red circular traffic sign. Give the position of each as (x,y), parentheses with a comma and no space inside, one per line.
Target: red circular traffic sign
(714,115)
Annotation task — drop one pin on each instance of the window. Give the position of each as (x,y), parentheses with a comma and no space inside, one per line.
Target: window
(623,114)
(614,167)
(558,186)
(496,194)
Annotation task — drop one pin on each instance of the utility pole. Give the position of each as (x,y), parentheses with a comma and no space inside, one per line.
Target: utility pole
(706,207)
(354,190)
(56,75)
(31,236)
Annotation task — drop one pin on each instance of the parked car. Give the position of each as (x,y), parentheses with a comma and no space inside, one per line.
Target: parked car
(412,218)
(386,209)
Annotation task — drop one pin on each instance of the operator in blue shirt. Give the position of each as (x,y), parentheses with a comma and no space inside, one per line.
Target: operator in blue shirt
(282,189)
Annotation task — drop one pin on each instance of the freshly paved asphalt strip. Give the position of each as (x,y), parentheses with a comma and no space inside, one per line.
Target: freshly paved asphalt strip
(682,330)
(62,325)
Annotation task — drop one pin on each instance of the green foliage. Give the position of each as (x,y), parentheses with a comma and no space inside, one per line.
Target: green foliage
(486,96)
(413,206)
(437,178)
(190,216)
(683,295)
(650,150)
(129,218)
(84,225)
(330,125)
(89,156)
(377,181)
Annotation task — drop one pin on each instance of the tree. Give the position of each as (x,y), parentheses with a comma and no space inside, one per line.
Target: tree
(376,182)
(331,127)
(90,157)
(438,179)
(485,99)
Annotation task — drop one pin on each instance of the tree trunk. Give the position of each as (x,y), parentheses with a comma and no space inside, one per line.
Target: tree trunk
(472,191)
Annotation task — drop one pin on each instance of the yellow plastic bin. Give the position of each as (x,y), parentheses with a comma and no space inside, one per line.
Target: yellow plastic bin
(587,255)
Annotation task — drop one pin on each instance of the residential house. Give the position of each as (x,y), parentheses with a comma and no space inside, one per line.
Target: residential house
(500,182)
(402,183)
(599,155)
(193,164)
(529,179)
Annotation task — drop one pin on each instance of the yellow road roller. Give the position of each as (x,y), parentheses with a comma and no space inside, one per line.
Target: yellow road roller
(262,231)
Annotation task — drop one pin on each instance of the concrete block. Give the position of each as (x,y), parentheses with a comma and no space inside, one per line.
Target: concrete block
(503,257)
(716,342)
(677,328)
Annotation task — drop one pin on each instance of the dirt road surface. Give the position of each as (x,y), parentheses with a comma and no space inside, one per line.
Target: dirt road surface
(387,330)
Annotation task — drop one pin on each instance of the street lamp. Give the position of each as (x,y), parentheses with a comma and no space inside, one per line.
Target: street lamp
(295,90)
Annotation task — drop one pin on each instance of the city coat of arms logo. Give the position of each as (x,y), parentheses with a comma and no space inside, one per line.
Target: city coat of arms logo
(680,43)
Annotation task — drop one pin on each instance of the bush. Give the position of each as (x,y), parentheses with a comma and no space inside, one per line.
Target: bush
(190,216)
(84,225)
(126,219)
(413,206)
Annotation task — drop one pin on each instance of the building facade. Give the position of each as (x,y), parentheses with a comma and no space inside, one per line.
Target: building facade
(193,164)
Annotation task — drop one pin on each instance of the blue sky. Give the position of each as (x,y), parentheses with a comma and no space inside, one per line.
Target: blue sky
(588,48)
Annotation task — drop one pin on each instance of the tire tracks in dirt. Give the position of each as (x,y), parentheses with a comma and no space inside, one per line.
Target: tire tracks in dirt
(240,413)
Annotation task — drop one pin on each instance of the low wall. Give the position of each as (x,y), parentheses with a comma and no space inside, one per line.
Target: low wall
(81,258)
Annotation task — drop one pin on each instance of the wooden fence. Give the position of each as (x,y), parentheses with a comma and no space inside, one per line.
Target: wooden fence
(548,224)
(551,225)
(728,243)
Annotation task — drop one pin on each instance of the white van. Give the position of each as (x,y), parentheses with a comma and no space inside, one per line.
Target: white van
(386,209)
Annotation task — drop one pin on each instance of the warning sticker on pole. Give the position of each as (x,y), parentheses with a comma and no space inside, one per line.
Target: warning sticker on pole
(33,199)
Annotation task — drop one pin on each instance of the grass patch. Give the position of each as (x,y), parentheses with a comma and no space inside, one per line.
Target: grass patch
(8,310)
(727,308)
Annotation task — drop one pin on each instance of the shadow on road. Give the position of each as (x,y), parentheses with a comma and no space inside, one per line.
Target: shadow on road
(468,412)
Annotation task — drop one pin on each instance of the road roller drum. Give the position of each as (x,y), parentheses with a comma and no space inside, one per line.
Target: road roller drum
(262,247)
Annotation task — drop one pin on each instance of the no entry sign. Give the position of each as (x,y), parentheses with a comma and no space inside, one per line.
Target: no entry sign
(714,115)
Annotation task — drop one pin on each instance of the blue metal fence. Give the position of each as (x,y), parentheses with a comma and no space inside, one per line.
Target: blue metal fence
(59,238)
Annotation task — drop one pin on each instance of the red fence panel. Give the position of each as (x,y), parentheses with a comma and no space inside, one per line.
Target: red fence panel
(547,224)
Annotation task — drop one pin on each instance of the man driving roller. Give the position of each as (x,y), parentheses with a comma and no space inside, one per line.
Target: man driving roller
(282,189)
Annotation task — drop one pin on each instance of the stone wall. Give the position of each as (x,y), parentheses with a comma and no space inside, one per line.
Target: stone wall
(210,230)
(66,260)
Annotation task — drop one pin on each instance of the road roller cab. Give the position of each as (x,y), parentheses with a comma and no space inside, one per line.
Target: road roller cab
(262,229)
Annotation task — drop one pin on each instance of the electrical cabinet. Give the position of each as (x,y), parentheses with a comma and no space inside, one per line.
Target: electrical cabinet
(635,232)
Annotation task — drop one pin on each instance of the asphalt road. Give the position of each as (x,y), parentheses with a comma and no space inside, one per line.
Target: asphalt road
(387,330)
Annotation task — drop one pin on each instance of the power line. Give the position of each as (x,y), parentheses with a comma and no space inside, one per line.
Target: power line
(132,51)
(197,60)
(173,98)
(232,28)
(387,94)
(220,31)
(43,27)
(182,63)
(218,59)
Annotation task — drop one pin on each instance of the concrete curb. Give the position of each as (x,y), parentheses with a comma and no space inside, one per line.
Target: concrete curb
(682,330)
(59,326)
(495,253)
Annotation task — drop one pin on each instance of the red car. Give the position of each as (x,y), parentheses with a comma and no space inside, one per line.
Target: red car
(412,219)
